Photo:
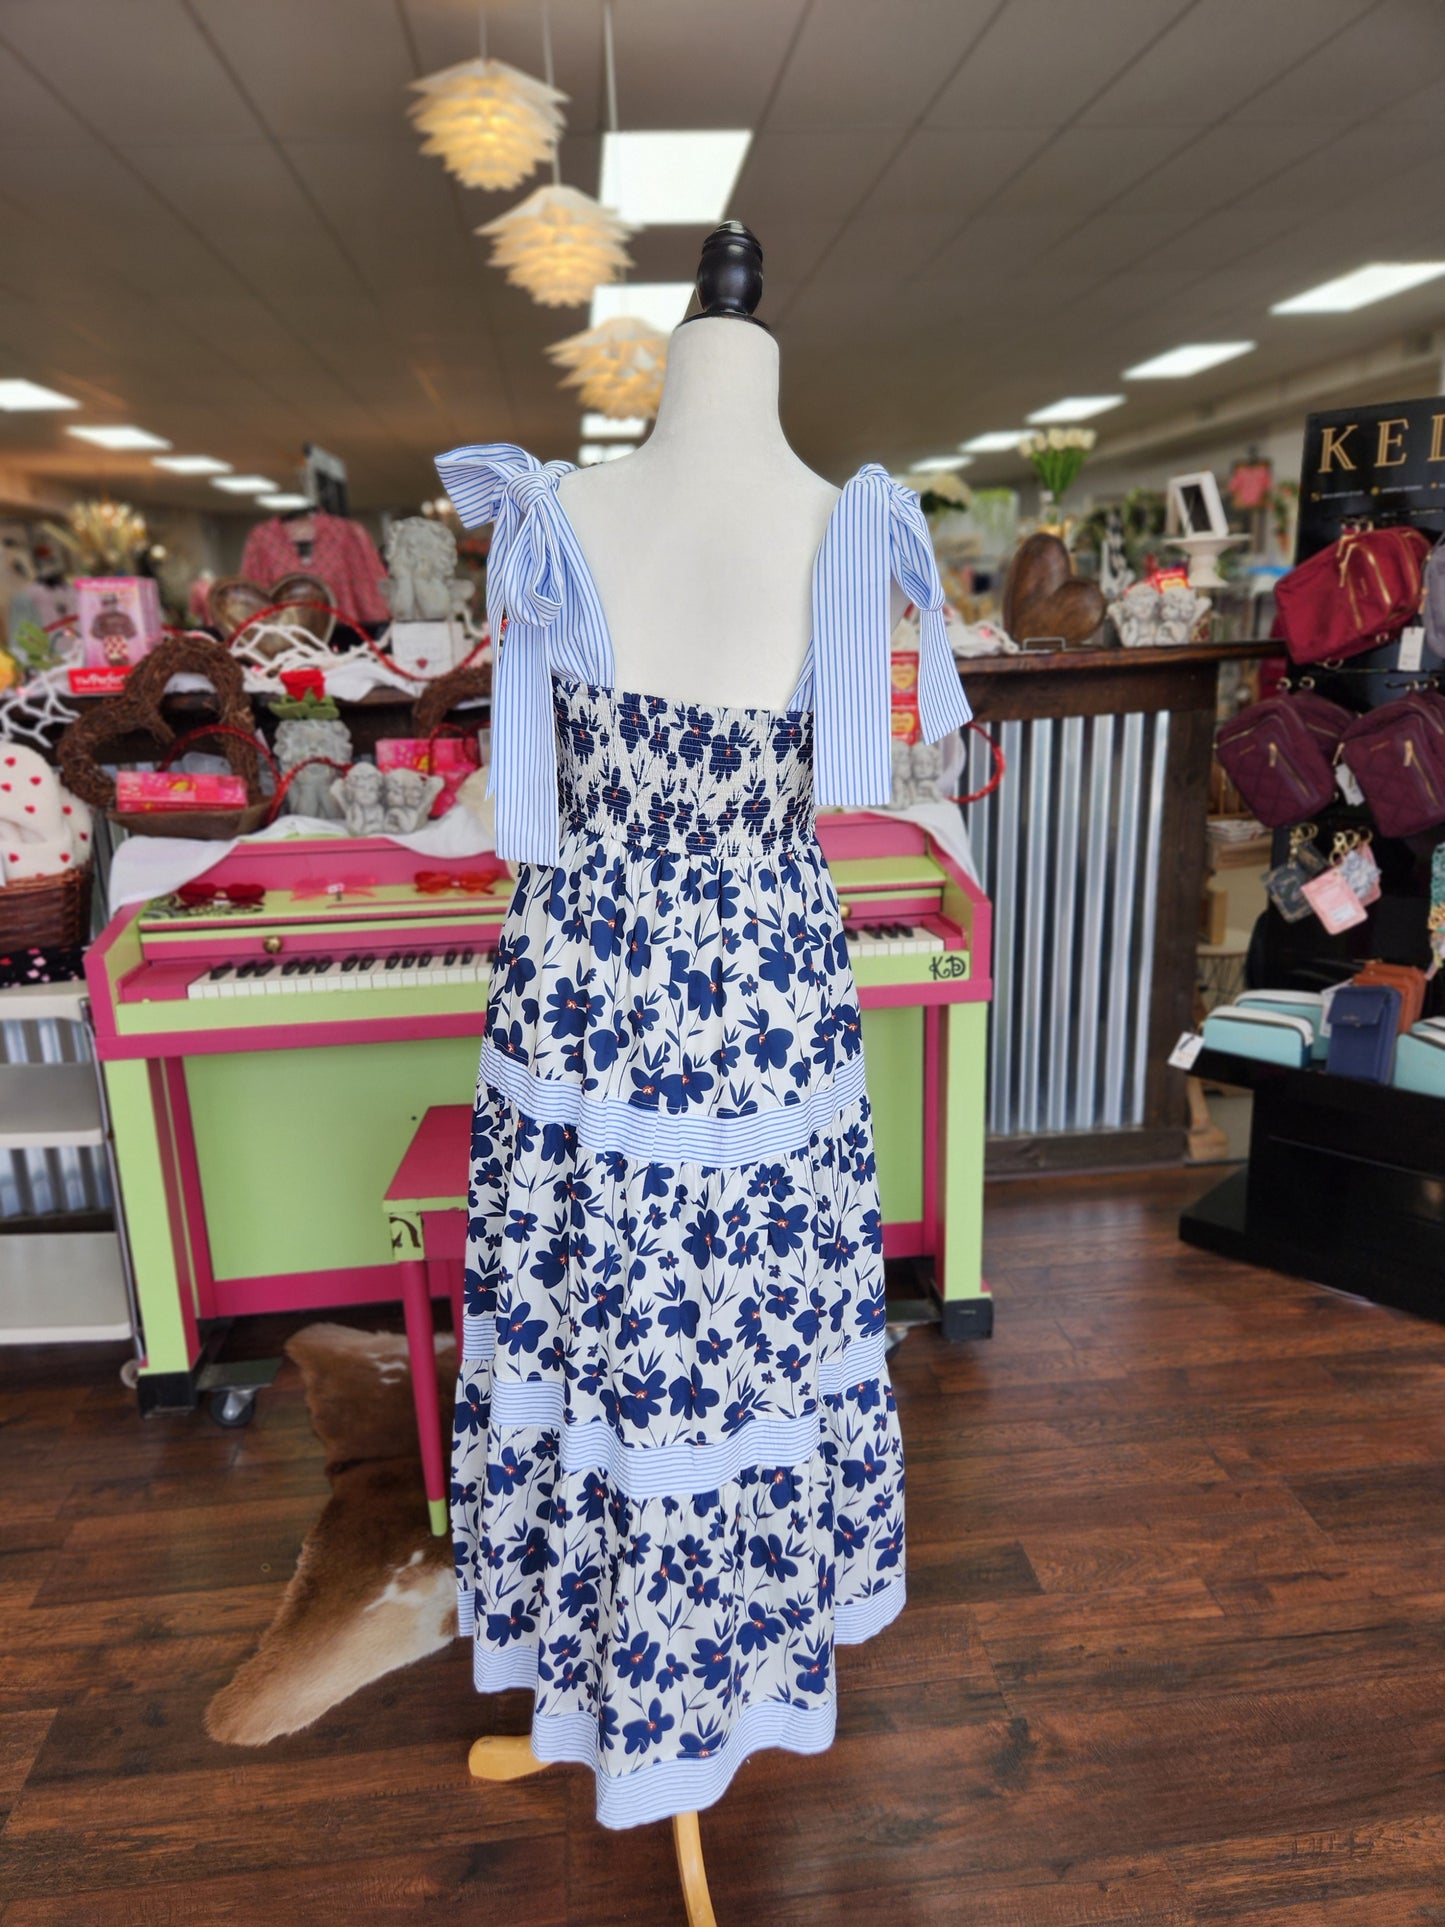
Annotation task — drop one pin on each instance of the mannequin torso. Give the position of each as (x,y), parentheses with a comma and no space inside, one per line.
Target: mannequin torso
(702,544)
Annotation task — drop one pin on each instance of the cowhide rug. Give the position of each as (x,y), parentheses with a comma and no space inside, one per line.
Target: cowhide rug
(373,1588)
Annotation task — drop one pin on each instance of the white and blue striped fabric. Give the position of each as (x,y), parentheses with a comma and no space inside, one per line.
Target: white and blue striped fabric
(537,577)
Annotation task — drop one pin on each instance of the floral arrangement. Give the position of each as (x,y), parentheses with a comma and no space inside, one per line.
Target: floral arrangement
(1056,455)
(104,537)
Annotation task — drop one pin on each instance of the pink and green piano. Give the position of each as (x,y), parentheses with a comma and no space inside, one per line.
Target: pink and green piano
(271,1045)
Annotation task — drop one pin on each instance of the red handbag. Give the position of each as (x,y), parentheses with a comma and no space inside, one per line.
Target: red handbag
(1397,756)
(1353,595)
(1279,754)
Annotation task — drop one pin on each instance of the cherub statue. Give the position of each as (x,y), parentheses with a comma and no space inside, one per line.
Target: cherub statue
(408,796)
(1179,611)
(359,796)
(423,586)
(1136,616)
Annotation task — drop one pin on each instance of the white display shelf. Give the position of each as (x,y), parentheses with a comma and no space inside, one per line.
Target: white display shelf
(43,1105)
(61,1288)
(41,1003)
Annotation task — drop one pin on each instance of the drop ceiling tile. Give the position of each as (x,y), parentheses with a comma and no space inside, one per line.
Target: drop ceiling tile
(1087,168)
(858,64)
(140,67)
(1394,49)
(821,175)
(1040,60)
(951,172)
(334,67)
(1216,56)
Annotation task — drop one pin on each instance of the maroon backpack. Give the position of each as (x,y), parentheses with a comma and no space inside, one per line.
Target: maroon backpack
(1279,755)
(1353,595)
(1397,756)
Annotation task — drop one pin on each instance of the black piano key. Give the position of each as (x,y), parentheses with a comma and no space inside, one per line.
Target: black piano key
(349,963)
(264,969)
(290,969)
(408,962)
(423,958)
(450,958)
(219,971)
(392,961)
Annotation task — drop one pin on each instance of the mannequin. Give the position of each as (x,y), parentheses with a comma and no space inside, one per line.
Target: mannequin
(702,547)
(702,543)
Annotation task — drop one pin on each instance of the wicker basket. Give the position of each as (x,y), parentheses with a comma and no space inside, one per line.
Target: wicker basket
(81,749)
(46,910)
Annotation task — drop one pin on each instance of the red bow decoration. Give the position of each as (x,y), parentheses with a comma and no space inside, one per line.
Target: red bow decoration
(474,883)
(246,896)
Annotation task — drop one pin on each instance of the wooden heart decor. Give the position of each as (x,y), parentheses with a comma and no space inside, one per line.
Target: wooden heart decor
(1043,598)
(235,598)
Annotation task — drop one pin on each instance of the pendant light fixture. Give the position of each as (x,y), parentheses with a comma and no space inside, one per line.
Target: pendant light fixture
(616,367)
(489,124)
(559,243)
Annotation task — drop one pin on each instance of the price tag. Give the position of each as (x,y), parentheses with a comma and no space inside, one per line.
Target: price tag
(1412,648)
(1182,1057)
(1349,788)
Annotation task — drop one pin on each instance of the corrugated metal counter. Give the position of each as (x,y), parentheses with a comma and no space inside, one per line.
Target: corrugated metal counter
(1093,852)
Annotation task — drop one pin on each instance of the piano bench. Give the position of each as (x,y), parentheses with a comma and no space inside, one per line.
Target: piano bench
(426,1215)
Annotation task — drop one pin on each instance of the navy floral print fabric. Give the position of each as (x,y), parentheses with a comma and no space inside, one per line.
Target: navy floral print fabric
(677,1474)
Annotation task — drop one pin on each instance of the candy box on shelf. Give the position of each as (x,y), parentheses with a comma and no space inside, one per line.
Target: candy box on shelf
(173,789)
(452,758)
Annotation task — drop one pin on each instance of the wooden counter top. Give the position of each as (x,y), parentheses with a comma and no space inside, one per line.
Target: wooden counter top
(1036,662)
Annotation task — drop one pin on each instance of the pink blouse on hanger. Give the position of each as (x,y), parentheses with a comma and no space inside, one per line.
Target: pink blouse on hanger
(342,554)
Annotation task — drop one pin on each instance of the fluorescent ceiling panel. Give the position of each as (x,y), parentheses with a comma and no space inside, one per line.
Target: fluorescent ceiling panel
(590,453)
(661,179)
(1076,408)
(937,464)
(284,501)
(994,442)
(1377,282)
(1192,359)
(118,439)
(245,484)
(608,428)
(191,465)
(23,397)
(661,304)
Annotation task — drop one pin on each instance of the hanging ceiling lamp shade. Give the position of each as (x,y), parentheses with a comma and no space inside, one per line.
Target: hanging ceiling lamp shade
(616,367)
(559,245)
(488,123)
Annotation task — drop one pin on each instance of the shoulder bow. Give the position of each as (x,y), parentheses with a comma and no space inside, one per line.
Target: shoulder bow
(499,483)
(877,536)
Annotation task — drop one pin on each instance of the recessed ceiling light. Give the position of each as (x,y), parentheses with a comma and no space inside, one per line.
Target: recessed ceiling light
(1192,359)
(244,484)
(1076,408)
(661,304)
(20,397)
(936,464)
(191,464)
(119,438)
(1377,282)
(994,442)
(654,179)
(610,428)
(590,453)
(284,501)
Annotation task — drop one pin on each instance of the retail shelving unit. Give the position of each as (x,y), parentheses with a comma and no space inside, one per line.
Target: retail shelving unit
(60,1286)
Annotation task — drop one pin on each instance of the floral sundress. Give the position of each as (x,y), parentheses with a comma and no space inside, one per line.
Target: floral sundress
(677,1477)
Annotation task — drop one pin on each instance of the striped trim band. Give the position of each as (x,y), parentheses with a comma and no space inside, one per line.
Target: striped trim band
(612,1124)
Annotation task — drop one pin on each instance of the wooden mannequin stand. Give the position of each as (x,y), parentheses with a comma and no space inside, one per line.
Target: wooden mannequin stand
(511,1758)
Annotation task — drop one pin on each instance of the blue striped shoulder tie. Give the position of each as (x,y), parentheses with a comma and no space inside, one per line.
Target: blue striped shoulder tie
(526,581)
(877,536)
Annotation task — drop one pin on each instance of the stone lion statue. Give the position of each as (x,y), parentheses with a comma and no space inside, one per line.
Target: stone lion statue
(423,586)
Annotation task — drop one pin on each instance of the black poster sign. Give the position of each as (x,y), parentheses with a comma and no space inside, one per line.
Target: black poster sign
(1381,464)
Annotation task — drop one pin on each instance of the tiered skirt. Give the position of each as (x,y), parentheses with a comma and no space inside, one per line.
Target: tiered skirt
(677,1473)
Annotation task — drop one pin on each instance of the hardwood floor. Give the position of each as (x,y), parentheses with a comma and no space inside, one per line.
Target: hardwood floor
(1174,1652)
